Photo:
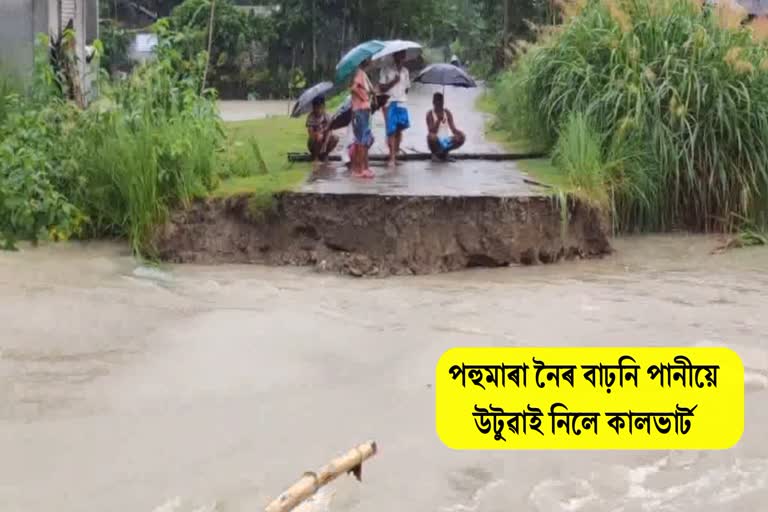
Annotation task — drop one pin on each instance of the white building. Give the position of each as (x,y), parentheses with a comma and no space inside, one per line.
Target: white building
(261,11)
(142,48)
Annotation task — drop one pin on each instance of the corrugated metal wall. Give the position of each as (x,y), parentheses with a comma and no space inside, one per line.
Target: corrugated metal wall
(21,20)
(68,12)
(16,37)
(91,20)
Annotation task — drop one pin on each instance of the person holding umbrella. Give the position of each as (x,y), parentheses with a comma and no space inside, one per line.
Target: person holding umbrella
(361,91)
(321,140)
(395,81)
(443,135)
(354,64)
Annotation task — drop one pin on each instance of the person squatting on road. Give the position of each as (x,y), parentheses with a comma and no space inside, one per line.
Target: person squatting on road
(395,81)
(321,141)
(443,136)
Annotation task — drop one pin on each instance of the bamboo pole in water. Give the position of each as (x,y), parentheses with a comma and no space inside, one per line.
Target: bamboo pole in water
(310,483)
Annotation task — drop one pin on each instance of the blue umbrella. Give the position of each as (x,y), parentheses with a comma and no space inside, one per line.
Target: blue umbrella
(352,60)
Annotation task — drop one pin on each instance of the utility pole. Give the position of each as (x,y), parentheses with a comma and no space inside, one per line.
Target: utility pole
(210,45)
(507,4)
(314,39)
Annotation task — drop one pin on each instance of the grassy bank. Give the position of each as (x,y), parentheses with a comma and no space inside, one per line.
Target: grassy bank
(655,109)
(257,156)
(495,131)
(540,169)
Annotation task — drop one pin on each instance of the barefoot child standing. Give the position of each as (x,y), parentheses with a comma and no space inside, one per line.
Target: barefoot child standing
(361,90)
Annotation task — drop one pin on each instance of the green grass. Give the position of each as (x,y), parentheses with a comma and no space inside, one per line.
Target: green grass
(266,184)
(544,171)
(488,103)
(270,170)
(277,136)
(336,101)
(540,169)
(579,154)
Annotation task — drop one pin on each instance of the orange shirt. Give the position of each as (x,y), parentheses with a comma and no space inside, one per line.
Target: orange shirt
(361,98)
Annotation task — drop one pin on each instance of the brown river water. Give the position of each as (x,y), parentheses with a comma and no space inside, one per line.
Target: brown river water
(211,389)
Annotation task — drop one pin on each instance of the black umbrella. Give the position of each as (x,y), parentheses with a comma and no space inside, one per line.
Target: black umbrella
(343,116)
(304,103)
(445,75)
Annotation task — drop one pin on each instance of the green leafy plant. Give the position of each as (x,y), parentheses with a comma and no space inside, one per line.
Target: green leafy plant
(297,83)
(116,42)
(32,164)
(147,145)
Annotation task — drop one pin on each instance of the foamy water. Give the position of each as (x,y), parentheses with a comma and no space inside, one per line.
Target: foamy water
(642,488)
(191,389)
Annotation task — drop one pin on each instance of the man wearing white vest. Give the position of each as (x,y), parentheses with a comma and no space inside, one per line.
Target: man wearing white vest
(395,81)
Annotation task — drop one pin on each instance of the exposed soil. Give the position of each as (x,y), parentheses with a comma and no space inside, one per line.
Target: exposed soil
(380,235)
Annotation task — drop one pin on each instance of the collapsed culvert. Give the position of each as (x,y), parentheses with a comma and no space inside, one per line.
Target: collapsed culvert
(378,235)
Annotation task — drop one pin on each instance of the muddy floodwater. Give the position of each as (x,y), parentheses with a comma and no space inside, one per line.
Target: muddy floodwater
(130,389)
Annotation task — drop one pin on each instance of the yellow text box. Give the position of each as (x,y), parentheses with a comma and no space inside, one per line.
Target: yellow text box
(590,398)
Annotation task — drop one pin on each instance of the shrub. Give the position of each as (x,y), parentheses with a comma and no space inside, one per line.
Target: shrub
(678,95)
(148,144)
(116,43)
(32,166)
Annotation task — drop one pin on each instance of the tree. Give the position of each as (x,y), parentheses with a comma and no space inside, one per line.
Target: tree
(233,42)
(311,35)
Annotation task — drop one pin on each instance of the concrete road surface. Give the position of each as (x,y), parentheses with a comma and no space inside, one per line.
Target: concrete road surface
(462,178)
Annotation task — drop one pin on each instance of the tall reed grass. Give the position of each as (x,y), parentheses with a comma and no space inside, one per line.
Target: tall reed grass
(676,94)
(153,148)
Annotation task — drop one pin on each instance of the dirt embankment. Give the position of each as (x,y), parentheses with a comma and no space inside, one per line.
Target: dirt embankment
(374,235)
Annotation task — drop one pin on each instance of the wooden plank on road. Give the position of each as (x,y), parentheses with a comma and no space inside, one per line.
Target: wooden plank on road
(414,157)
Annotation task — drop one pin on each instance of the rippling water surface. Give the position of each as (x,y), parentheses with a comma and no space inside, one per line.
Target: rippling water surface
(125,388)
